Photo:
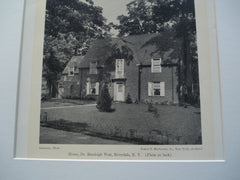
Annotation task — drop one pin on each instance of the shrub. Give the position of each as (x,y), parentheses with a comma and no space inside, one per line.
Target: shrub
(45,97)
(155,112)
(151,108)
(129,99)
(90,98)
(104,101)
(136,101)
(164,103)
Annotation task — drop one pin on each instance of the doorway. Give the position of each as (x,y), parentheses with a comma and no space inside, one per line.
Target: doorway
(119,91)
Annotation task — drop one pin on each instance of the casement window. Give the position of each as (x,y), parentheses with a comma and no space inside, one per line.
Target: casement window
(71,71)
(92,88)
(119,69)
(156,88)
(156,65)
(93,68)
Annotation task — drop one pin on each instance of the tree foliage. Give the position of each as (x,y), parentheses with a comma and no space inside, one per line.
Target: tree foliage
(152,16)
(157,16)
(69,27)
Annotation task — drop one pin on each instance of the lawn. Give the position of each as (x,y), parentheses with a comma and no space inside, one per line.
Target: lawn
(66,137)
(64,102)
(131,123)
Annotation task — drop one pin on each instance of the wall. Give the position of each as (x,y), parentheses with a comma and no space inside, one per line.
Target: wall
(71,87)
(78,83)
(168,75)
(131,87)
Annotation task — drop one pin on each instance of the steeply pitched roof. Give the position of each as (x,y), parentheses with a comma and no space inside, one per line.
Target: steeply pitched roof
(143,48)
(99,50)
(75,61)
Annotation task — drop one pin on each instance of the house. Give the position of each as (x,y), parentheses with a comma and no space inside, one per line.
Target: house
(143,66)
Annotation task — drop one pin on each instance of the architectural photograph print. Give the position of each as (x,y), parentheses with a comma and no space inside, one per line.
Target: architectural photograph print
(122,75)
(119,80)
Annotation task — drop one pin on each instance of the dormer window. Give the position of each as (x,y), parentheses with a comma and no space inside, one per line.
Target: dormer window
(156,65)
(93,68)
(71,71)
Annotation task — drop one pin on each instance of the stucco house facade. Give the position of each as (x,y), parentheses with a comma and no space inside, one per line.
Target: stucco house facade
(136,65)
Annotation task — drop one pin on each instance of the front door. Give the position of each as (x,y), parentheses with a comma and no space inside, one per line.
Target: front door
(119,92)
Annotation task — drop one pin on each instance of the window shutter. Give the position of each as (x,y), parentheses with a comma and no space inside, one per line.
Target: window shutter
(122,67)
(88,88)
(156,65)
(162,88)
(150,89)
(160,68)
(97,88)
(151,65)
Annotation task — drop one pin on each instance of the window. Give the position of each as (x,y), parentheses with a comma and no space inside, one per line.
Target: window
(93,68)
(92,88)
(60,85)
(156,88)
(156,65)
(75,69)
(71,71)
(119,70)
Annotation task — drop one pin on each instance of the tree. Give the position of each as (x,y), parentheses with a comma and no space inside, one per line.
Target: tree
(104,101)
(129,99)
(69,27)
(54,67)
(157,16)
(146,16)
(138,20)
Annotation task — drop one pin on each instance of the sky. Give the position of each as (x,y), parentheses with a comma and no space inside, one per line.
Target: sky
(112,9)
